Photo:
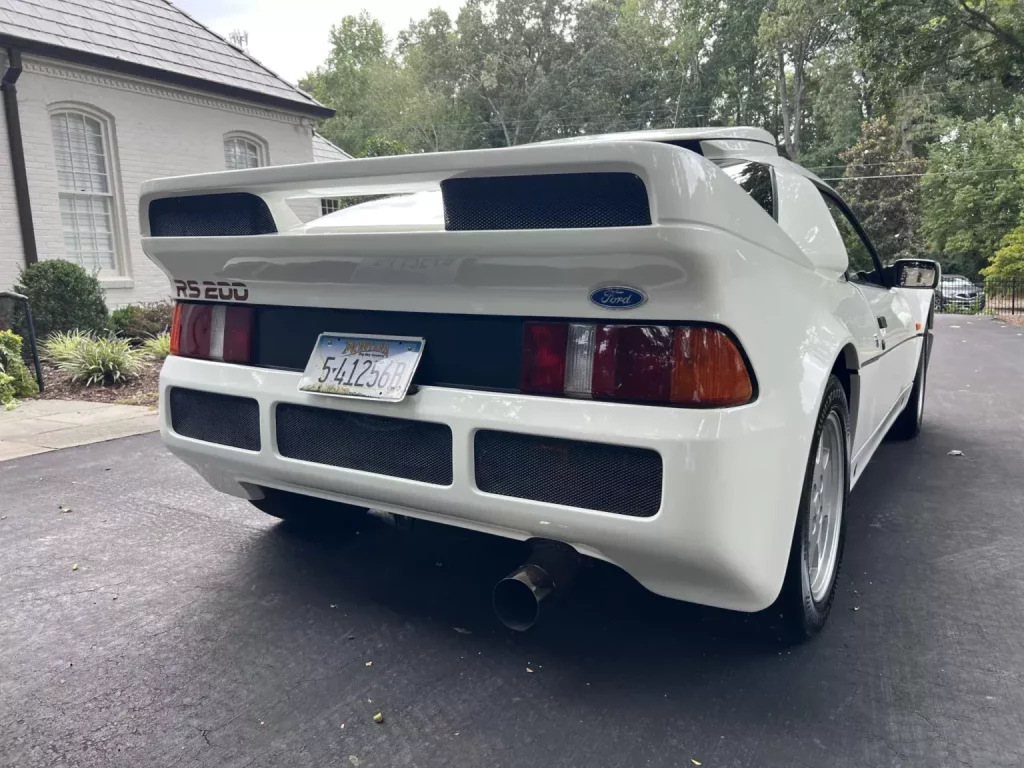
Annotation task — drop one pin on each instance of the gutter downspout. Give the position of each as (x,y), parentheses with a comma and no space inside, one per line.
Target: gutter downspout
(10,89)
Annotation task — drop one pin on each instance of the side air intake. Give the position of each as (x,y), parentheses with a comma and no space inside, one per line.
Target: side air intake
(222,215)
(547,201)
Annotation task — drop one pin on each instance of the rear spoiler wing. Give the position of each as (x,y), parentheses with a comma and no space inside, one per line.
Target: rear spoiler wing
(681,186)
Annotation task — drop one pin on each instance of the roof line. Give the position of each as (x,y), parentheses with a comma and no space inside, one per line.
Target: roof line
(75,56)
(242,51)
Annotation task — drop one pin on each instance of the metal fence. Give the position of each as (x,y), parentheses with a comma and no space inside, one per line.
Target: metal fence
(975,296)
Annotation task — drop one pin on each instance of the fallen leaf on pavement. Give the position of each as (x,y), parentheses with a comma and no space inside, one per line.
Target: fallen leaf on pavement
(378,718)
(74,567)
(62,508)
(955,453)
(695,762)
(462,631)
(369,663)
(529,670)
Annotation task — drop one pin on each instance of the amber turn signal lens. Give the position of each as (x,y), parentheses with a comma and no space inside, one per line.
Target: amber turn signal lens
(708,369)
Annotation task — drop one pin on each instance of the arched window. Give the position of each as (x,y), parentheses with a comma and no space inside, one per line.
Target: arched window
(243,152)
(88,213)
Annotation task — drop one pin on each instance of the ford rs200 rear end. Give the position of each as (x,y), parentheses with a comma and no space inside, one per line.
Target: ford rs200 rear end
(559,342)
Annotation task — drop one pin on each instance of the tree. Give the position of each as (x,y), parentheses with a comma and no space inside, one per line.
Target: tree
(883,185)
(377,146)
(1008,261)
(343,82)
(974,193)
(794,33)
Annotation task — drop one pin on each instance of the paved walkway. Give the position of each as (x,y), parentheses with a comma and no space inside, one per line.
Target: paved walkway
(38,426)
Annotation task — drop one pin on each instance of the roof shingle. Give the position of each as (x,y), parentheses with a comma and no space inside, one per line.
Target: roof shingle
(150,33)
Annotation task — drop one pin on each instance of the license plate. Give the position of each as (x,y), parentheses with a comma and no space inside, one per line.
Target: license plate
(357,365)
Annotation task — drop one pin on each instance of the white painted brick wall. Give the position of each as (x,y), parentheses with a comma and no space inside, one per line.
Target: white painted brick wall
(154,135)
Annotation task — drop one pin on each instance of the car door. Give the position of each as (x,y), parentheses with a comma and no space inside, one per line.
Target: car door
(888,368)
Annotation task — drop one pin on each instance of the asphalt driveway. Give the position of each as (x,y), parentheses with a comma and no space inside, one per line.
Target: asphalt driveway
(196,631)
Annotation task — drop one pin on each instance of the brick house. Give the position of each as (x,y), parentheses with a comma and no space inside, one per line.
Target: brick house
(100,96)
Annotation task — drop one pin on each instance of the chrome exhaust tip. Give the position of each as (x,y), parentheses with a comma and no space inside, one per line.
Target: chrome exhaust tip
(551,568)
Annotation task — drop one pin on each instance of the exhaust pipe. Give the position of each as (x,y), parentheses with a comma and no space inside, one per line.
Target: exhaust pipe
(551,566)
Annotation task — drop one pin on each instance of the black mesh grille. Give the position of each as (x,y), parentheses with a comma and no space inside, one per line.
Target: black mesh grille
(222,419)
(551,201)
(416,450)
(608,478)
(221,215)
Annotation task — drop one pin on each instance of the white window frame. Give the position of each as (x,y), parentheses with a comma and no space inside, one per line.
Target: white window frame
(258,145)
(119,274)
(330,205)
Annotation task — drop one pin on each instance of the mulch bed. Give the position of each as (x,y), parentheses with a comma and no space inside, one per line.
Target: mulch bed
(141,390)
(1014,320)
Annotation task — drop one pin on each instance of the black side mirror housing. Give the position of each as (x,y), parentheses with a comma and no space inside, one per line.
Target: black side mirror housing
(916,273)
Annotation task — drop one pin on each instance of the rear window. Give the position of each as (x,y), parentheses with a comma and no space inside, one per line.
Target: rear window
(755,179)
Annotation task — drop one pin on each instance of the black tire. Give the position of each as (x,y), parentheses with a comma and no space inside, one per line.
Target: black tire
(803,614)
(307,510)
(908,424)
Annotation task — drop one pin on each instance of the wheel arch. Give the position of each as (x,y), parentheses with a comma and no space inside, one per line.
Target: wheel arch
(846,368)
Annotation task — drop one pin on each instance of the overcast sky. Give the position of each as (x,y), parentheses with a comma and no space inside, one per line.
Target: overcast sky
(290,36)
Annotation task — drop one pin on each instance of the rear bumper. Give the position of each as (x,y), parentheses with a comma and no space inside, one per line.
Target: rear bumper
(730,491)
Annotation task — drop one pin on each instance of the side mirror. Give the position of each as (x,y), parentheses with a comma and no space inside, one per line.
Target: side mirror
(916,273)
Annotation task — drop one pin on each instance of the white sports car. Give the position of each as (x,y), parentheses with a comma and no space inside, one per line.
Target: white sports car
(672,350)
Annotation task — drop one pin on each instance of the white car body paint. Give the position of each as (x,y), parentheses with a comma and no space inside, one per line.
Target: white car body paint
(732,476)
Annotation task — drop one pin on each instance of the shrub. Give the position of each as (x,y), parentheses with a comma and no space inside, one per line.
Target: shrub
(63,297)
(157,347)
(1008,261)
(62,346)
(141,321)
(22,383)
(6,389)
(106,360)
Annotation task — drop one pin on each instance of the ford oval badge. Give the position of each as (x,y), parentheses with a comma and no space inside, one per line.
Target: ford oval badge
(618,297)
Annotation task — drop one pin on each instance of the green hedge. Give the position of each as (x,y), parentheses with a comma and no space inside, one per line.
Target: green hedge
(15,378)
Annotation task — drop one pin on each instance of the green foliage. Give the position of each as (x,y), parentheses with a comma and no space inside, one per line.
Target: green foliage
(62,345)
(8,391)
(140,321)
(97,360)
(975,193)
(378,146)
(157,347)
(888,208)
(63,296)
(1008,261)
(21,381)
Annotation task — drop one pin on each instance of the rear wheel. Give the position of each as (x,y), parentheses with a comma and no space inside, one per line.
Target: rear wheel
(817,549)
(307,510)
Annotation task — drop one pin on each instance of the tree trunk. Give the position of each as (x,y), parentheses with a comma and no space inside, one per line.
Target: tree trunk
(797,118)
(784,103)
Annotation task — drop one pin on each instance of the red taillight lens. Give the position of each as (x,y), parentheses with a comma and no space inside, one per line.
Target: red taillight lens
(212,332)
(544,358)
(689,366)
(193,329)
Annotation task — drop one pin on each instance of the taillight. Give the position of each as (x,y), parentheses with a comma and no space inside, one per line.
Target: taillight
(212,332)
(692,366)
